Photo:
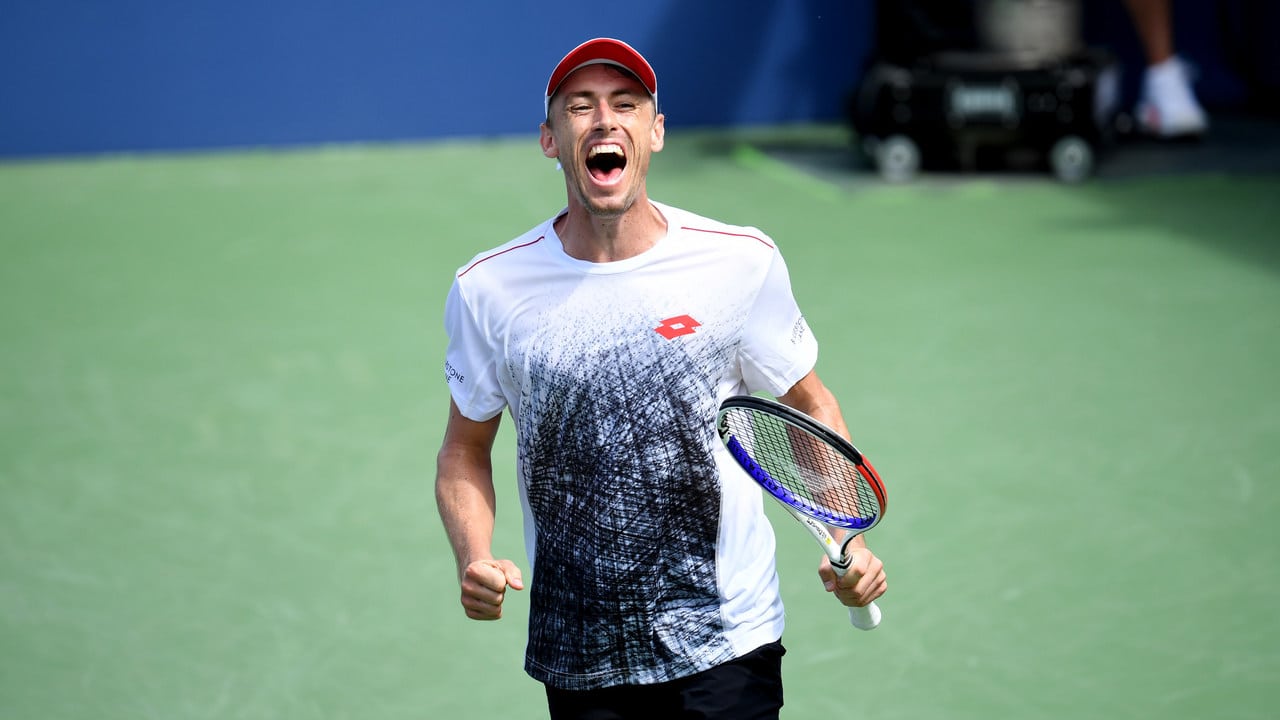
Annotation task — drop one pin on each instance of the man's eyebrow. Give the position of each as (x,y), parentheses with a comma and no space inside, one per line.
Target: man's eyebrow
(584,94)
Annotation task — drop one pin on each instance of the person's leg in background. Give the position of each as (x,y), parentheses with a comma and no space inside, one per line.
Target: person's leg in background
(1168,107)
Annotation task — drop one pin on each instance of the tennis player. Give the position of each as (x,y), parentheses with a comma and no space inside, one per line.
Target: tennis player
(610,333)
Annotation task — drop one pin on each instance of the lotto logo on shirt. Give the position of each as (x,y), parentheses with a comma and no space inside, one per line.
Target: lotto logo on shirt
(674,327)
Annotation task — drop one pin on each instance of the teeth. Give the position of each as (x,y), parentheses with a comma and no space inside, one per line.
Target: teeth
(601,149)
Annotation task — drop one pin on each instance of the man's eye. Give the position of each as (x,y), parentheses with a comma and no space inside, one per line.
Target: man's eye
(579,108)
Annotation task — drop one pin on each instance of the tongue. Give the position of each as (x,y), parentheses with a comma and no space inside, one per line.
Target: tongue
(606,175)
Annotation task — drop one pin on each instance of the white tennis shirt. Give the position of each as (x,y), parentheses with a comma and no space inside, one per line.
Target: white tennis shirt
(652,558)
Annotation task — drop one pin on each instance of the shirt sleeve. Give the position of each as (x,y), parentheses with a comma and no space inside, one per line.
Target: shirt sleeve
(778,348)
(470,365)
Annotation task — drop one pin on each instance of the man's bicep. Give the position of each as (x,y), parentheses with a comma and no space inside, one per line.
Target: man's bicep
(808,392)
(464,468)
(464,436)
(812,397)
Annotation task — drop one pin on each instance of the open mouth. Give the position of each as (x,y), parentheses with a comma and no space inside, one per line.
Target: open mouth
(605,162)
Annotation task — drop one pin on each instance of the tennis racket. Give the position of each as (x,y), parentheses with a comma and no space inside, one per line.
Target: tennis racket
(815,473)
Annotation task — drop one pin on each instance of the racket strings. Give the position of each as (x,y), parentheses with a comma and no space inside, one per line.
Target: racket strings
(809,470)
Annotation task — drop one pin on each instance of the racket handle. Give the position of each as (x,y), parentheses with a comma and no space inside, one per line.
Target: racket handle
(865,618)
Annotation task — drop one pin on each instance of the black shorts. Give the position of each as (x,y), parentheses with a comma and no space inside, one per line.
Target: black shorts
(747,688)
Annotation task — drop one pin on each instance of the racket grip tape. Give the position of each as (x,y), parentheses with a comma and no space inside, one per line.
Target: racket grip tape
(865,618)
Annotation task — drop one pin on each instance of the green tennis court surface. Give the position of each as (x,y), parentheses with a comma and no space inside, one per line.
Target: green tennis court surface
(221,396)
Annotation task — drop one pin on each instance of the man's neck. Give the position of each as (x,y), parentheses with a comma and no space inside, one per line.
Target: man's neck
(609,239)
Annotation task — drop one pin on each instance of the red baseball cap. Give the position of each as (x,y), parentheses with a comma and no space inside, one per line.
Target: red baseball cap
(607,51)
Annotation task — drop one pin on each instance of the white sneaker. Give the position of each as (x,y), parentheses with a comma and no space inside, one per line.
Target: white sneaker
(1168,108)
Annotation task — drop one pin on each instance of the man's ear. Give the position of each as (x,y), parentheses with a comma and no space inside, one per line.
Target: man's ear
(548,141)
(658,133)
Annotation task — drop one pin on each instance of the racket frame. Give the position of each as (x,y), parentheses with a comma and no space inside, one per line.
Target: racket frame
(813,519)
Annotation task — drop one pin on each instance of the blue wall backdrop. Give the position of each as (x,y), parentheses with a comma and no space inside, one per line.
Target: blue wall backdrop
(100,75)
(90,76)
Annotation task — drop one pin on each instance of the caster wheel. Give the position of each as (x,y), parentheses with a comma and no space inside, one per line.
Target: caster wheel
(897,158)
(1071,159)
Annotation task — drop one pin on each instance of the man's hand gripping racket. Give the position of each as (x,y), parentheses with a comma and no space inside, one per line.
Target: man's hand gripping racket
(815,473)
